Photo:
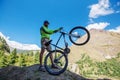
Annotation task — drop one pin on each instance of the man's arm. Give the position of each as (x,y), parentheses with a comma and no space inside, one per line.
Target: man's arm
(48,31)
(58,29)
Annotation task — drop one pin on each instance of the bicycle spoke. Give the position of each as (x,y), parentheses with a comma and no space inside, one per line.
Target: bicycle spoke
(79,35)
(60,62)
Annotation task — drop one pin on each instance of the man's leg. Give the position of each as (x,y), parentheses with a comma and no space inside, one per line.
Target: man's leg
(41,56)
(51,57)
(41,67)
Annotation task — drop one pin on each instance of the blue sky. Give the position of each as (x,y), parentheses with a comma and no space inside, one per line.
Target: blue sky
(21,19)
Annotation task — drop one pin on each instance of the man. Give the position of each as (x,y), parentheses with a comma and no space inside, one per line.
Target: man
(45,37)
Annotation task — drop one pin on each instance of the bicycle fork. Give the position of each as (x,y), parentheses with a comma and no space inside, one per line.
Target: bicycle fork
(65,51)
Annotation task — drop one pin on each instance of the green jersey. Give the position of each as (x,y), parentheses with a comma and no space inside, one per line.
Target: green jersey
(45,32)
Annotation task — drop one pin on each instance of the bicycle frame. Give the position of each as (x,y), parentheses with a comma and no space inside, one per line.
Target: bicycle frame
(55,45)
(66,44)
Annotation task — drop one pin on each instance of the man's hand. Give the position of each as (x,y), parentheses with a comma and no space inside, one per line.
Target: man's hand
(60,28)
(56,31)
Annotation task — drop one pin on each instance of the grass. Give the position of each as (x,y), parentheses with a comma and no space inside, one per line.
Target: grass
(90,68)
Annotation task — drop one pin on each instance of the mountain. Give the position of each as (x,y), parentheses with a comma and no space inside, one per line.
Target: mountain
(3,45)
(101,46)
(19,46)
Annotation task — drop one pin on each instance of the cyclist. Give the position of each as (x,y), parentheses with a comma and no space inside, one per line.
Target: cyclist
(45,37)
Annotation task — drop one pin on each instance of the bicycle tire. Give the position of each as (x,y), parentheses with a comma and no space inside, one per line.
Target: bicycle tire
(46,66)
(82,28)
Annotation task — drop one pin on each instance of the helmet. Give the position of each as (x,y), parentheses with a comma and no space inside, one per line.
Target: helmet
(46,22)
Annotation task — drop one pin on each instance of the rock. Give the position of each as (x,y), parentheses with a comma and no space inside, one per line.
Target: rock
(32,73)
(74,68)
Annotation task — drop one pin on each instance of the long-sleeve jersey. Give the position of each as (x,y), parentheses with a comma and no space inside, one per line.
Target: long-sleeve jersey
(45,32)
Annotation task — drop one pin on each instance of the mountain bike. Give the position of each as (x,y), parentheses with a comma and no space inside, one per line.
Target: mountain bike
(78,36)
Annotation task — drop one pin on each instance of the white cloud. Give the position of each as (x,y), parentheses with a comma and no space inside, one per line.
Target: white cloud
(91,20)
(118,3)
(117,11)
(102,8)
(100,25)
(117,29)
(18,45)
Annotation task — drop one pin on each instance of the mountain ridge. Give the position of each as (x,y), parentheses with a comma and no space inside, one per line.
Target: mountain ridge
(102,45)
(20,46)
(3,45)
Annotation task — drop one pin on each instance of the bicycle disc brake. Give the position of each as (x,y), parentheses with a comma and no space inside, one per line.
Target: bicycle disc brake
(67,50)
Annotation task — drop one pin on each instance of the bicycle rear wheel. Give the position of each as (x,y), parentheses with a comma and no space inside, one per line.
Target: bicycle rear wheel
(79,35)
(59,59)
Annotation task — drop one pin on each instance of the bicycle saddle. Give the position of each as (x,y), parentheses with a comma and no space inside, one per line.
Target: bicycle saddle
(48,43)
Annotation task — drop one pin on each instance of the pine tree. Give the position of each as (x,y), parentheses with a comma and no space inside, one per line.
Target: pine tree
(1,53)
(3,45)
(22,60)
(31,53)
(3,59)
(13,57)
(36,57)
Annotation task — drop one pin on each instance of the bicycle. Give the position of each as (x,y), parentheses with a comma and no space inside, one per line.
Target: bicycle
(60,59)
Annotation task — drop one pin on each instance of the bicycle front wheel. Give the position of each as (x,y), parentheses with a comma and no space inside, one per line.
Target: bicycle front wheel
(59,59)
(79,35)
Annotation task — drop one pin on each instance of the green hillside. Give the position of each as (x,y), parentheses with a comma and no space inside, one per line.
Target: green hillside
(94,69)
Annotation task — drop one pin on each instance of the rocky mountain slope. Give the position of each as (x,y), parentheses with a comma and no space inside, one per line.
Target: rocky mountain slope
(102,45)
(32,73)
(3,45)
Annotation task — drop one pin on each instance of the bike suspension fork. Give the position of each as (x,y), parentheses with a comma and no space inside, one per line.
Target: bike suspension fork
(66,44)
(57,44)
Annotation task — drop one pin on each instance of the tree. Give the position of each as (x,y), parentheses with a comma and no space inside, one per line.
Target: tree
(3,59)
(22,60)
(1,53)
(13,57)
(3,45)
(31,53)
(36,57)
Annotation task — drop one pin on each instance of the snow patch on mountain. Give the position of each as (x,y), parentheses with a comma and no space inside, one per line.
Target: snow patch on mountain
(18,45)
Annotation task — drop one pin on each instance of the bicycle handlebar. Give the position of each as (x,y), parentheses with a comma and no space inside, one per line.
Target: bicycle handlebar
(61,28)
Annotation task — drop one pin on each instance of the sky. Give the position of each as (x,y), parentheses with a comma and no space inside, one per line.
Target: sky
(20,20)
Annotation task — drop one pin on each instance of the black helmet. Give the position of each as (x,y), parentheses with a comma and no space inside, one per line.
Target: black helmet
(46,22)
